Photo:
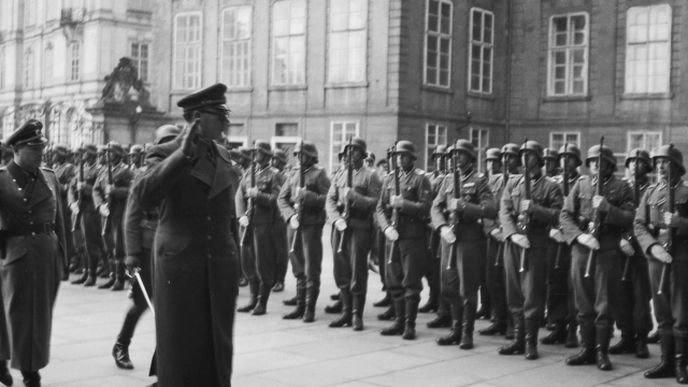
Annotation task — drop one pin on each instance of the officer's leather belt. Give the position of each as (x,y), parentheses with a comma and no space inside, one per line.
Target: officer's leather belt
(33,229)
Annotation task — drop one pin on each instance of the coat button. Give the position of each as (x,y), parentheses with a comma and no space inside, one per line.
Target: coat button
(25,200)
(31,222)
(33,233)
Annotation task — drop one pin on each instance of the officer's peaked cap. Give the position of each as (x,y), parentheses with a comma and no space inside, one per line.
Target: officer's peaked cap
(30,134)
(211,97)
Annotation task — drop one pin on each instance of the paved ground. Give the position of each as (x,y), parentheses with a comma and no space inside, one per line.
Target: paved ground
(270,351)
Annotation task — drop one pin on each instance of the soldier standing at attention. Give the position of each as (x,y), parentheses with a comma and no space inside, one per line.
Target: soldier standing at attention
(65,172)
(457,221)
(668,269)
(257,212)
(33,252)
(304,209)
(406,239)
(608,215)
(354,224)
(279,162)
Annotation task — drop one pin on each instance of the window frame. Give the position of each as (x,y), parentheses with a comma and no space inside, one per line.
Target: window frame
(430,147)
(139,59)
(482,45)
(333,152)
(235,42)
(439,35)
(564,134)
(73,62)
(569,63)
(645,134)
(48,74)
(178,82)
(29,61)
(483,145)
(275,80)
(347,32)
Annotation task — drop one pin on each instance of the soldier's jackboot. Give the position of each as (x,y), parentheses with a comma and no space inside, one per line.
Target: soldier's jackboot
(120,352)
(680,360)
(111,280)
(587,354)
(91,279)
(485,304)
(557,336)
(311,299)
(300,306)
(411,313)
(603,336)
(397,327)
(532,326)
(358,306)
(509,335)
(254,287)
(665,368)
(625,345)
(290,301)
(498,327)
(443,318)
(119,276)
(345,318)
(31,378)
(469,316)
(572,336)
(653,338)
(261,307)
(387,315)
(82,279)
(454,336)
(517,346)
(334,308)
(384,302)
(641,350)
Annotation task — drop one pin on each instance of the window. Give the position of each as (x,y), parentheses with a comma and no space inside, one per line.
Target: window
(648,49)
(29,12)
(289,42)
(434,135)
(74,61)
(480,51)
(438,41)
(347,41)
(646,140)
(236,46)
(340,131)
(558,139)
(187,51)
(568,55)
(480,138)
(286,129)
(48,64)
(139,54)
(236,135)
(28,68)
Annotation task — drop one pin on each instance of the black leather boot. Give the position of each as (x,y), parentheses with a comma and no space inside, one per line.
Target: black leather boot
(82,279)
(5,375)
(119,276)
(587,354)
(641,350)
(431,305)
(345,318)
(311,299)
(387,315)
(111,280)
(496,328)
(254,287)
(653,338)
(397,327)
(603,336)
(411,313)
(469,316)
(532,327)
(357,310)
(120,352)
(517,346)
(443,320)
(665,368)
(680,360)
(572,336)
(300,306)
(261,307)
(557,336)
(625,345)
(31,378)
(384,302)
(454,336)
(334,308)
(290,301)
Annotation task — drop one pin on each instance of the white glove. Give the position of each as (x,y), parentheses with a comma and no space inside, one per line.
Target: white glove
(671,220)
(108,189)
(497,234)
(588,241)
(104,210)
(79,186)
(525,205)
(252,192)
(448,235)
(294,222)
(626,247)
(520,240)
(396,201)
(391,234)
(658,252)
(243,221)
(74,207)
(340,224)
(600,203)
(556,235)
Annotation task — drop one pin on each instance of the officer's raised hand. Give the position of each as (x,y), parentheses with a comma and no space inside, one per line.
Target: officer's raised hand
(520,240)
(447,234)
(660,254)
(600,203)
(588,241)
(190,140)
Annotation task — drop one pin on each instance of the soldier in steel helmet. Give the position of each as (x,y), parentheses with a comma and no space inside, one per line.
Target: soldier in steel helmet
(406,240)
(256,208)
(354,224)
(525,224)
(611,214)
(65,172)
(561,306)
(634,319)
(279,162)
(551,157)
(457,220)
(304,209)
(136,156)
(653,229)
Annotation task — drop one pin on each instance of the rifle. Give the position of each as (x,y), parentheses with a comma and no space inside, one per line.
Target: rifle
(109,181)
(451,262)
(565,183)
(524,218)
(669,245)
(79,195)
(505,179)
(636,201)
(250,207)
(395,211)
(349,184)
(299,206)
(594,225)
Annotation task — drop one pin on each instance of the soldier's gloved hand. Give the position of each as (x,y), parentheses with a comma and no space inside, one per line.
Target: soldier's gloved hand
(132,262)
(497,234)
(525,205)
(108,189)
(391,233)
(190,139)
(599,202)
(104,210)
(252,192)
(80,186)
(340,224)
(556,235)
(243,221)
(456,204)
(660,254)
(74,207)
(396,201)
(626,247)
(294,222)
(671,220)
(520,240)
(447,234)
(588,241)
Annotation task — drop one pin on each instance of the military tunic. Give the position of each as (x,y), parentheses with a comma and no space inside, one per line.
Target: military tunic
(65,173)
(433,260)
(116,201)
(89,220)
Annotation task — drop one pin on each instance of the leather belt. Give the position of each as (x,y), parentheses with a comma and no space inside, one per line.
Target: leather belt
(33,229)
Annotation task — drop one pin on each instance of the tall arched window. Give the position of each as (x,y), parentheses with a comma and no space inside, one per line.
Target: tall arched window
(48,64)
